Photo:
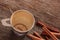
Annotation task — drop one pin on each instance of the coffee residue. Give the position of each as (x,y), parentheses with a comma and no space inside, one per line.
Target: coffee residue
(21,27)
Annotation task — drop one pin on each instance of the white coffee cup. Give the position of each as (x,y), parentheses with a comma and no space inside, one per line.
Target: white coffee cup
(29,17)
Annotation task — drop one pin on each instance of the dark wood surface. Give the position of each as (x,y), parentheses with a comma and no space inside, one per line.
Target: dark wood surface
(47,11)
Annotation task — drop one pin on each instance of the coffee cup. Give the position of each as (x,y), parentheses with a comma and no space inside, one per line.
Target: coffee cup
(21,22)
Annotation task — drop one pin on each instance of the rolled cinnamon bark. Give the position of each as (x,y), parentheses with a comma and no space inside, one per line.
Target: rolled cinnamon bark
(53,29)
(49,33)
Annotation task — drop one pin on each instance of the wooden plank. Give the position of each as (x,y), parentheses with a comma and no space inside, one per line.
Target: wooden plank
(46,10)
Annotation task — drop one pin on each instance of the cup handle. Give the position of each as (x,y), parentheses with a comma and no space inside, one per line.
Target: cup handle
(4,22)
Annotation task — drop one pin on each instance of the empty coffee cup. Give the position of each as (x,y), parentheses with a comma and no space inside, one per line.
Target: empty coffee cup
(21,21)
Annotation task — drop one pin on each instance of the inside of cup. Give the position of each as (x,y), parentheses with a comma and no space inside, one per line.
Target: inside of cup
(23,18)
(21,27)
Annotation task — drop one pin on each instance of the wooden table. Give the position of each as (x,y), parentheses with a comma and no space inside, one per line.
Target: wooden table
(47,11)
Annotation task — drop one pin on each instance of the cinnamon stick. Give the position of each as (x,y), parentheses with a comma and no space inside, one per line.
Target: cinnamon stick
(35,33)
(55,33)
(53,29)
(49,33)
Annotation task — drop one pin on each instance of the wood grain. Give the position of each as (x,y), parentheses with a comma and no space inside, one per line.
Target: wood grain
(46,10)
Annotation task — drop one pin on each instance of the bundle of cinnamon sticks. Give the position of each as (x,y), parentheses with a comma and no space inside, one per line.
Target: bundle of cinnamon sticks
(48,32)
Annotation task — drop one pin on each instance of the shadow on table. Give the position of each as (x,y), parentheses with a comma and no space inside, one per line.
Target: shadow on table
(16,37)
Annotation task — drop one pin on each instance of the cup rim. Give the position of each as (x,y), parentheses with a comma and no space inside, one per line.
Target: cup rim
(18,29)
